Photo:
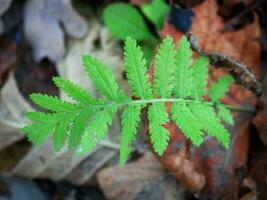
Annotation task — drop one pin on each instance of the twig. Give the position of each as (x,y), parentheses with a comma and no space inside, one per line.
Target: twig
(242,74)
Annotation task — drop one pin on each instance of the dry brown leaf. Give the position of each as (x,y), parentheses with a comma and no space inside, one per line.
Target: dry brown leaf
(8,57)
(260,122)
(42,27)
(143,179)
(4,5)
(258,173)
(12,109)
(86,170)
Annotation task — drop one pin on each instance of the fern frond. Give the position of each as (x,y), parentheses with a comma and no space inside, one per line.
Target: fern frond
(200,76)
(102,78)
(164,68)
(187,122)
(135,67)
(85,122)
(130,119)
(159,135)
(96,130)
(183,70)
(220,87)
(225,114)
(205,113)
(52,103)
(77,93)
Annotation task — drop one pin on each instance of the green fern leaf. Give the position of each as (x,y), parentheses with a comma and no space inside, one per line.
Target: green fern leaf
(102,78)
(187,122)
(41,117)
(135,67)
(75,92)
(183,71)
(37,133)
(200,77)
(96,130)
(220,87)
(78,128)
(225,114)
(159,135)
(60,134)
(130,119)
(52,103)
(205,113)
(164,72)
(156,11)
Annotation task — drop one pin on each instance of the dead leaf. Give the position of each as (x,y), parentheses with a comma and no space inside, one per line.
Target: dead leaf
(12,154)
(87,169)
(258,172)
(36,160)
(42,27)
(143,179)
(4,5)
(249,196)
(260,122)
(8,57)
(12,109)
(20,188)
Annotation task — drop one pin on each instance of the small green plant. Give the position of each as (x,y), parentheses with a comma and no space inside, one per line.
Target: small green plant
(123,20)
(176,79)
(156,11)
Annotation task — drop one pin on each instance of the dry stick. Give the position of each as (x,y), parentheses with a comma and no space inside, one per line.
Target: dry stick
(242,74)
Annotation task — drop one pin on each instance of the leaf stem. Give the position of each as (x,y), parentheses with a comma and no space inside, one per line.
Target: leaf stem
(159,100)
(134,102)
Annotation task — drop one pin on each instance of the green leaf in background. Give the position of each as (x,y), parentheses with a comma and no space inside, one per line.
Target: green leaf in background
(156,12)
(124,20)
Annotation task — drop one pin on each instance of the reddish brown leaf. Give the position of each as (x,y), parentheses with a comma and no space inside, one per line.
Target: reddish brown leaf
(258,173)
(8,57)
(260,123)
(142,179)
